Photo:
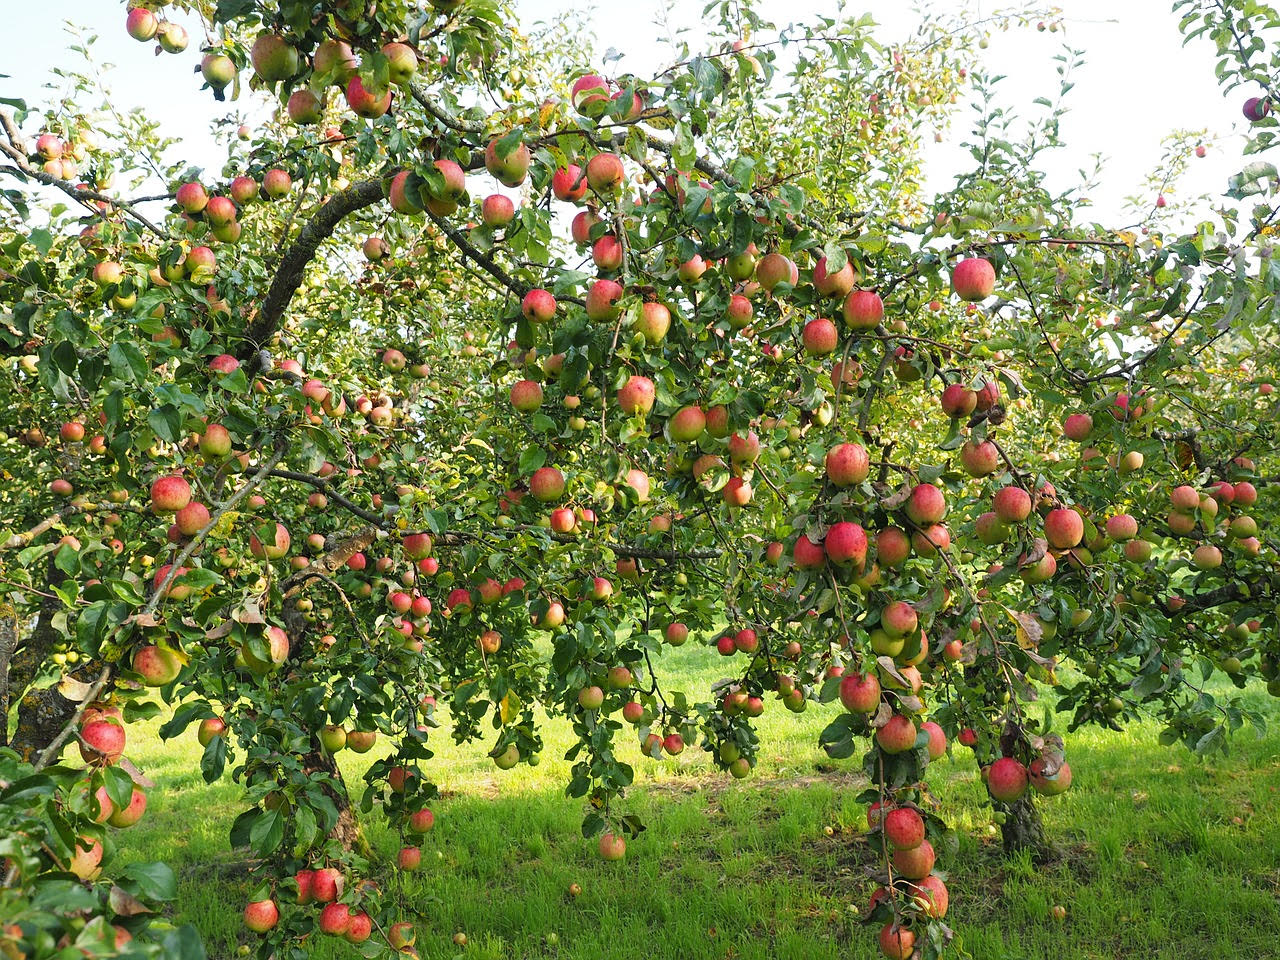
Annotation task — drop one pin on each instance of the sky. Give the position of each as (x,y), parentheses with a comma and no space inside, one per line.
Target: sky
(1139,82)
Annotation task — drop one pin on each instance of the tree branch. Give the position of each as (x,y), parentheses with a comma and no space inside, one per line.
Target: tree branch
(294,263)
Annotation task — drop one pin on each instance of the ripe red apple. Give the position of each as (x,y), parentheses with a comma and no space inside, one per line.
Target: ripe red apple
(209,728)
(569,183)
(102,742)
(141,24)
(605,173)
(636,396)
(836,284)
(892,547)
(863,310)
(1078,427)
(367,103)
(897,942)
(508,163)
(602,301)
(497,211)
(979,459)
(820,337)
(272,58)
(276,183)
(1007,780)
(273,550)
(937,736)
(904,828)
(926,505)
(261,915)
(1012,504)
(169,494)
(846,543)
(335,918)
(958,400)
(848,464)
(973,279)
(897,735)
(860,693)
(1063,528)
(590,95)
(807,554)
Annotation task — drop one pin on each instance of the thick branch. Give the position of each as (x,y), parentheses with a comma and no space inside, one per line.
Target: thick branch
(294,263)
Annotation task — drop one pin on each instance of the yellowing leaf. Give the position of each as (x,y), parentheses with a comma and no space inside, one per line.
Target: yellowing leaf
(510,707)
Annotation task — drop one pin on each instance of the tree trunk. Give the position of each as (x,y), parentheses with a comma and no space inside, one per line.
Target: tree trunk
(347,830)
(1024,830)
(41,713)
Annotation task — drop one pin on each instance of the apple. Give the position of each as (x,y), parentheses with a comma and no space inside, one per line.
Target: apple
(569,183)
(636,396)
(860,693)
(973,279)
(1063,528)
(101,742)
(605,173)
(273,58)
(903,828)
(509,165)
(1007,780)
(402,62)
(838,284)
(365,102)
(497,211)
(848,464)
(602,301)
(612,847)
(926,505)
(209,728)
(1012,504)
(898,735)
(863,310)
(141,24)
(335,918)
(1078,427)
(261,915)
(820,337)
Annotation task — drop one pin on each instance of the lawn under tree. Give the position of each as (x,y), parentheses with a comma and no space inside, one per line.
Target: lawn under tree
(503,506)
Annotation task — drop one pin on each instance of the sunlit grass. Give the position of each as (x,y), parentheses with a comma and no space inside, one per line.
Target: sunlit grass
(1163,855)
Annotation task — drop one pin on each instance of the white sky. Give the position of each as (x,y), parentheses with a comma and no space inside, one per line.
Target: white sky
(1138,85)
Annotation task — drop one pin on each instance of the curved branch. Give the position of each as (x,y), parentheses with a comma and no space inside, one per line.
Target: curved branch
(453,538)
(294,262)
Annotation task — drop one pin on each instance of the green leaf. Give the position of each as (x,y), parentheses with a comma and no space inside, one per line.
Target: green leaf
(266,833)
(155,881)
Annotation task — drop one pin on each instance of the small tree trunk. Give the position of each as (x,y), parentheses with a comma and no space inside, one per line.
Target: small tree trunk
(41,713)
(347,830)
(1024,830)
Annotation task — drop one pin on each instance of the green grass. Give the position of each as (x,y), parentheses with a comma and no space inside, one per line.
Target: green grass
(1164,856)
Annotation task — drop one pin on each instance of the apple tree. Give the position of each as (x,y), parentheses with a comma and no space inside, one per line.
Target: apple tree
(480,375)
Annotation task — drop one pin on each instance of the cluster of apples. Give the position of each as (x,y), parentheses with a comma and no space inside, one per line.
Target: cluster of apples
(62,158)
(144,25)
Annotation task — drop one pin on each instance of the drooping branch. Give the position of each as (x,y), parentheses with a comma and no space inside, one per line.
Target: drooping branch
(452,538)
(293,264)
(15,150)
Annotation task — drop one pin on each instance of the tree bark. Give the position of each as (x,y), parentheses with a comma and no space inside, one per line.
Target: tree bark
(1024,830)
(347,830)
(41,713)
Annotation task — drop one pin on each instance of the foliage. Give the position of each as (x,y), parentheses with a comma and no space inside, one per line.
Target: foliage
(307,496)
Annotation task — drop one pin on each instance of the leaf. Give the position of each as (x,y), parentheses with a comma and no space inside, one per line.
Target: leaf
(125,904)
(509,708)
(155,880)
(127,361)
(266,833)
(214,759)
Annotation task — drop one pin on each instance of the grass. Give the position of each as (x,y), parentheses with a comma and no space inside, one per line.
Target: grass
(1165,856)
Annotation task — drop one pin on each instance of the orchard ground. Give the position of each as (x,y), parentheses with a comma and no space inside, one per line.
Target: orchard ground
(1163,855)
